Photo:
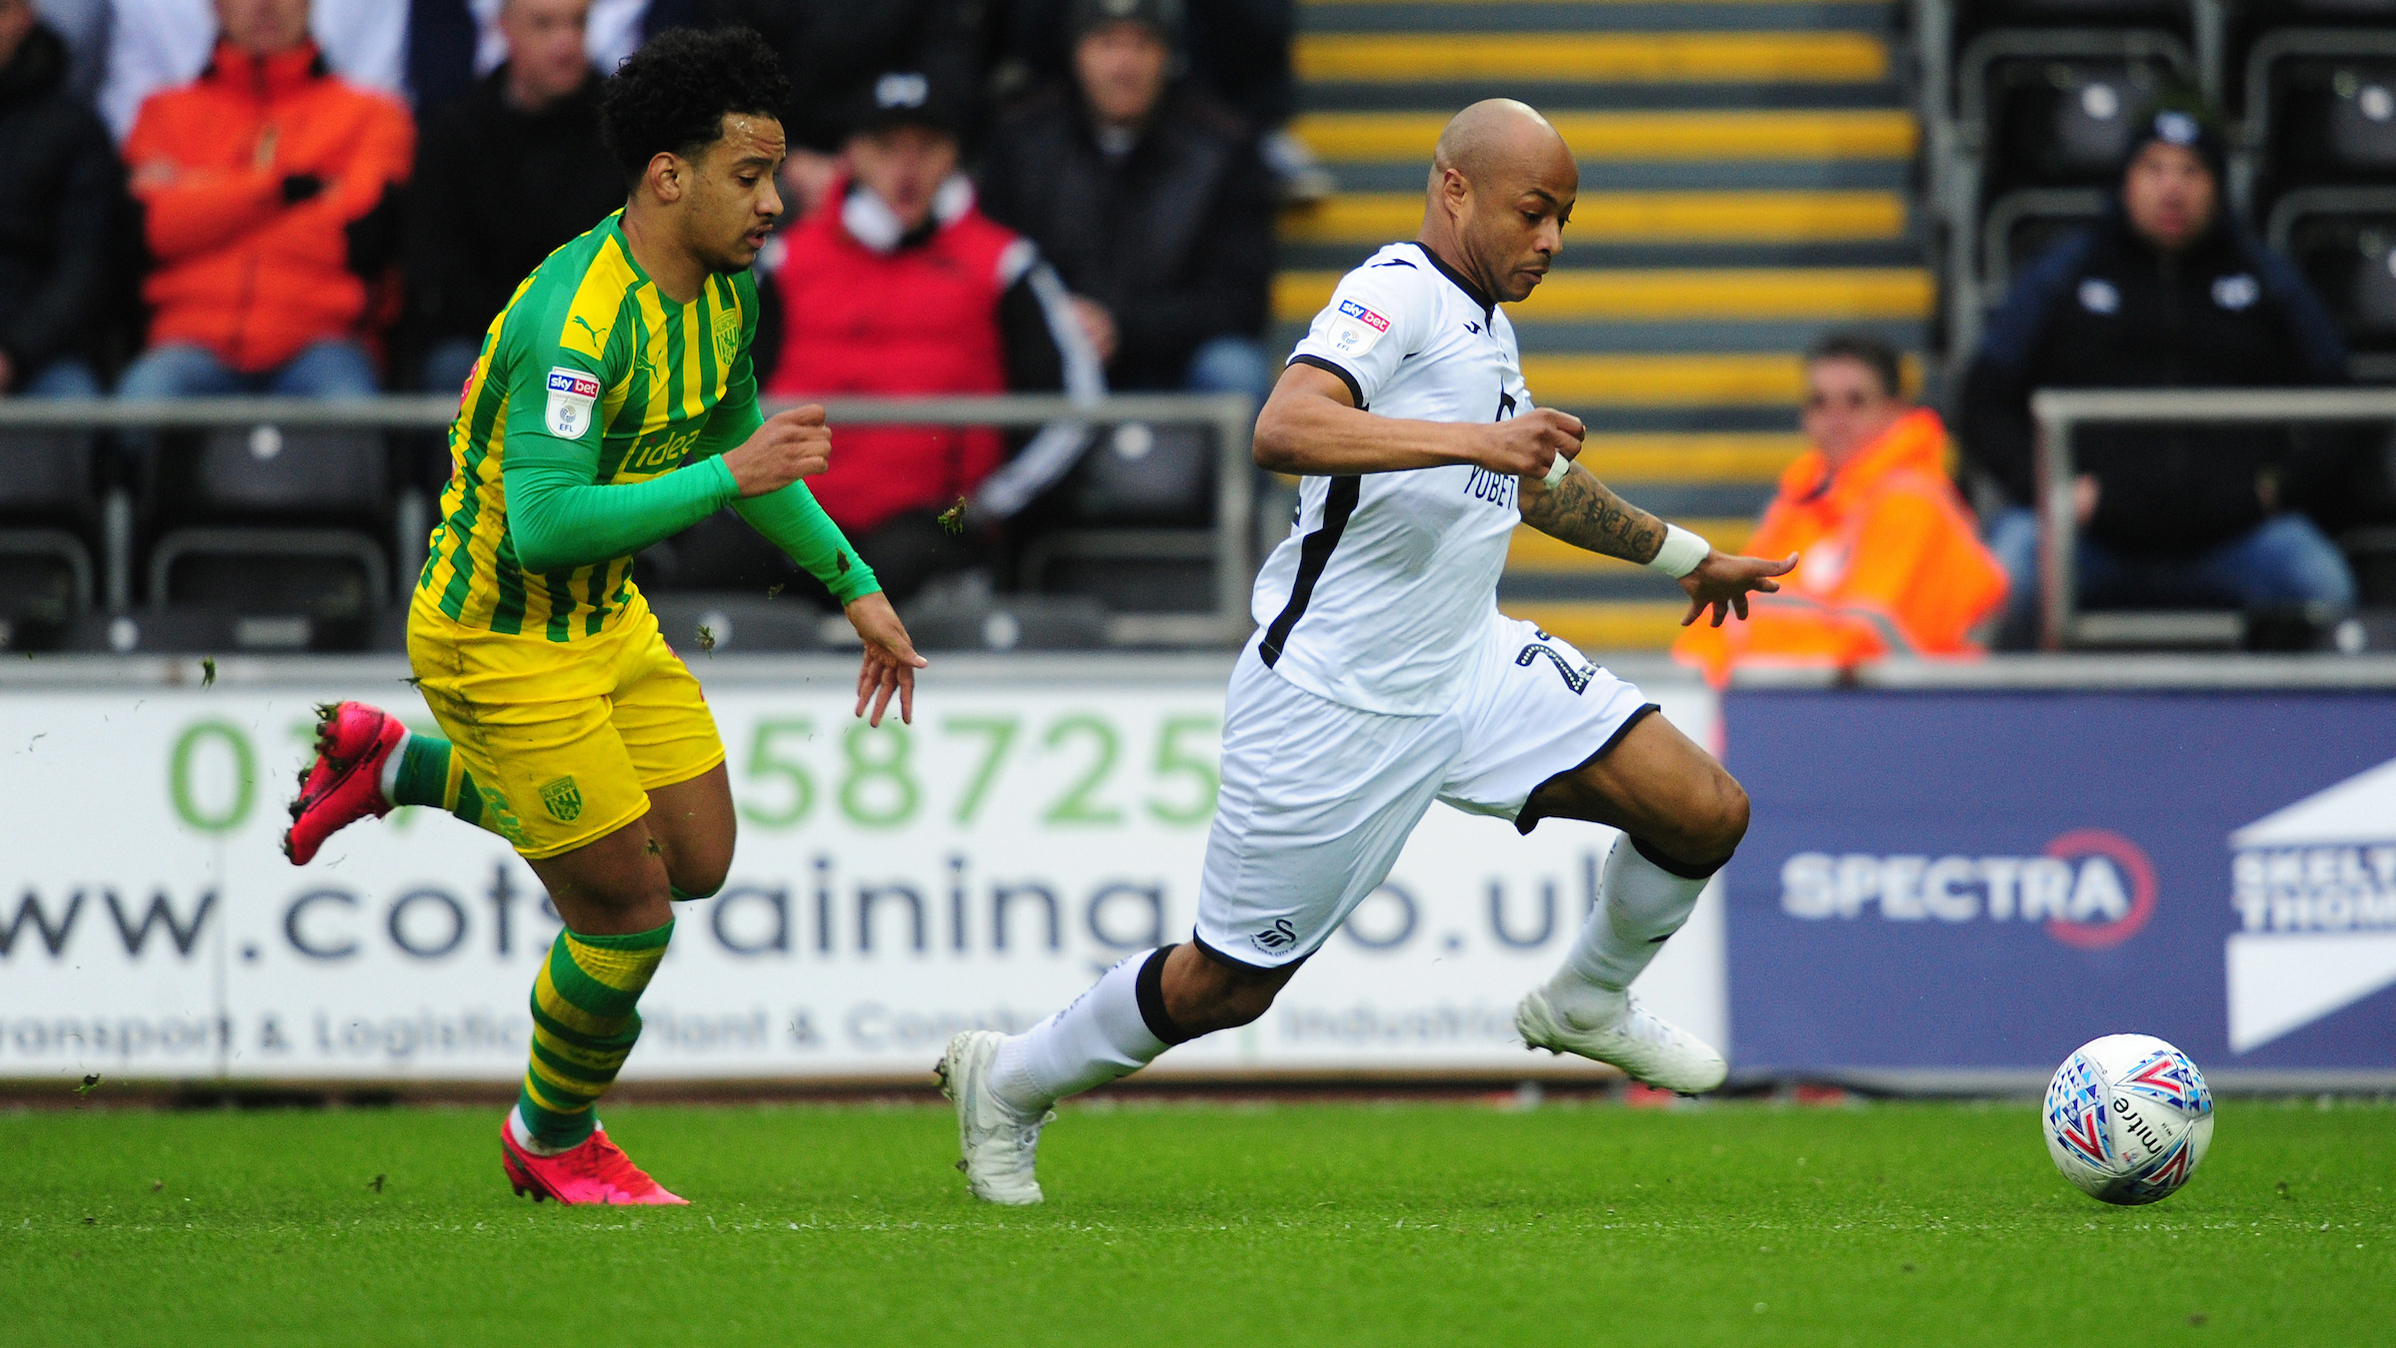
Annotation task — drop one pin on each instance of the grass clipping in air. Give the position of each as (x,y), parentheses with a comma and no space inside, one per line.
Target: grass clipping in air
(1735,1224)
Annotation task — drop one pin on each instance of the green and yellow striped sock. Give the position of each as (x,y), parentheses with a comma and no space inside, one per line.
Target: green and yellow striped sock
(583,1025)
(429,774)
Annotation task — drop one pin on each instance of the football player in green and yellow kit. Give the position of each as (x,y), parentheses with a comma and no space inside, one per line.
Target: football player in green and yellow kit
(613,405)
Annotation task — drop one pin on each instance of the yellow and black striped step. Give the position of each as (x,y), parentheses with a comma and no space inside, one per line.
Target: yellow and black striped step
(1830,294)
(1728,135)
(1594,58)
(1790,217)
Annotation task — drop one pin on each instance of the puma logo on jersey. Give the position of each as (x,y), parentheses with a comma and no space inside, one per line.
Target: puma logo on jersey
(598,335)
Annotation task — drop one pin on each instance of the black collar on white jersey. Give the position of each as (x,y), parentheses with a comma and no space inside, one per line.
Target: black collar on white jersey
(1471,291)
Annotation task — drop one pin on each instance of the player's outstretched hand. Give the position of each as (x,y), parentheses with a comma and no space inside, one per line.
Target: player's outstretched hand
(1527,446)
(1722,583)
(789,446)
(890,658)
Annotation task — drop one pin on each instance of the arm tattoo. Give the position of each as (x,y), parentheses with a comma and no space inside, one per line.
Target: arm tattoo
(1586,513)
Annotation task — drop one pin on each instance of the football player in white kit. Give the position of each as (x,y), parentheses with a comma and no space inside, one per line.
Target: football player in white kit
(1383,677)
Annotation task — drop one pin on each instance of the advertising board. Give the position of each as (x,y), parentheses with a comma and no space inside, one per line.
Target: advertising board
(1981,880)
(1039,821)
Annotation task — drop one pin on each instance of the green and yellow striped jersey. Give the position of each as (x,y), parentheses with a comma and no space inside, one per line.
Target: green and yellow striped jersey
(587,346)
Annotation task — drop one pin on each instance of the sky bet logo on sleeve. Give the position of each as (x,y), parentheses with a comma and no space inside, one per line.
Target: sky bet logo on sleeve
(572,395)
(1363,315)
(2091,888)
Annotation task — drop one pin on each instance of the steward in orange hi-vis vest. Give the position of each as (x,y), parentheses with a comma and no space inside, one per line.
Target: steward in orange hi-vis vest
(1889,562)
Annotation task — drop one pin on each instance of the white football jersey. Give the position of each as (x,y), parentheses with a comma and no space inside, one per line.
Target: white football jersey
(1377,598)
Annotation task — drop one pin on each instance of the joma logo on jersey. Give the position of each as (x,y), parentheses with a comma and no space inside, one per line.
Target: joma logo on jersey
(1363,315)
(662,452)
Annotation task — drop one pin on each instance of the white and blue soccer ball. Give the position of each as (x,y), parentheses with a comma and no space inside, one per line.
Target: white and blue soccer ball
(2128,1118)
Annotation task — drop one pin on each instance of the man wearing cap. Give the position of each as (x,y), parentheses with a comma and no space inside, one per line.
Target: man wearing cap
(900,286)
(1151,201)
(2165,291)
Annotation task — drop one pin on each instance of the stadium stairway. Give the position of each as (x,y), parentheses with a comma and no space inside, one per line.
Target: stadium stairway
(1746,173)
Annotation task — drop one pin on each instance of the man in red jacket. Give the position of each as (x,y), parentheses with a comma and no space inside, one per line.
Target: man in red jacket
(899,285)
(269,195)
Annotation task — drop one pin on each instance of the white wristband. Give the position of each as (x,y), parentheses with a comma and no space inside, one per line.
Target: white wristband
(1556,472)
(1681,553)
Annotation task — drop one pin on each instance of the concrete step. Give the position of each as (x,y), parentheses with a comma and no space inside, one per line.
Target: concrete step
(1634,217)
(1787,57)
(1642,136)
(1598,626)
(1534,553)
(1578,294)
(1384,16)
(1717,380)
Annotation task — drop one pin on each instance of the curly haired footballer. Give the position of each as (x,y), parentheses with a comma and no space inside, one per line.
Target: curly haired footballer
(671,96)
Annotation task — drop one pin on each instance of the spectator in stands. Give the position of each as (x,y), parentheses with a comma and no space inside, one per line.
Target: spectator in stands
(83,24)
(903,287)
(1889,561)
(452,44)
(832,51)
(270,191)
(1239,53)
(157,44)
(55,216)
(2165,292)
(503,176)
(1150,200)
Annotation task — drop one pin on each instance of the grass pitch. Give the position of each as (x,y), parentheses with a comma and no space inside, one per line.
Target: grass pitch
(1304,1224)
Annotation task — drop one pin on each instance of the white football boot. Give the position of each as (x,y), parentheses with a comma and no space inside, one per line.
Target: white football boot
(1612,1027)
(999,1146)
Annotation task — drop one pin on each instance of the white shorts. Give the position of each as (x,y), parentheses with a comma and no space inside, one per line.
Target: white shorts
(1318,798)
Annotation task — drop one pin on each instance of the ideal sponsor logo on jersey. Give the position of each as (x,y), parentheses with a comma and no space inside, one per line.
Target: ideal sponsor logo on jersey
(572,395)
(2313,887)
(2091,888)
(1366,316)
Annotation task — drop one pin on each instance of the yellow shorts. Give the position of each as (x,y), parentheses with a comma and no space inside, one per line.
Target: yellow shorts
(564,739)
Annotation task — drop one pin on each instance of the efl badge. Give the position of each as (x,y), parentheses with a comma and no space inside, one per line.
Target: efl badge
(572,395)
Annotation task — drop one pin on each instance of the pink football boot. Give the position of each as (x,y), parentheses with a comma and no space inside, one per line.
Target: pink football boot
(345,784)
(598,1171)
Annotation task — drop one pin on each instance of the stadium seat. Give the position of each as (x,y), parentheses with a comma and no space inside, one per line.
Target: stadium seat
(1155,476)
(699,623)
(2329,119)
(2023,224)
(46,571)
(2057,122)
(963,619)
(2344,240)
(282,524)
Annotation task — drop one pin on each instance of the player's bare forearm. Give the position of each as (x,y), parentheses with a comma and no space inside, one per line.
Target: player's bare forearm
(1586,513)
(1311,426)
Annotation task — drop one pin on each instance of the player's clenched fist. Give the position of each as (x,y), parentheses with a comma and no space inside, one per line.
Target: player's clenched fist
(1528,445)
(789,446)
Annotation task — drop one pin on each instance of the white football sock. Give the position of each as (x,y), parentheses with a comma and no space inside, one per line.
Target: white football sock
(522,1132)
(388,781)
(1639,903)
(1099,1037)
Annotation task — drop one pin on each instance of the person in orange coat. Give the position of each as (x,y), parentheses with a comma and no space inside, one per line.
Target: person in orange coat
(269,197)
(1888,559)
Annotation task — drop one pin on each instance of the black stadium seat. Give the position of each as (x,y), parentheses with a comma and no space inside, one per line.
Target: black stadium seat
(46,571)
(282,523)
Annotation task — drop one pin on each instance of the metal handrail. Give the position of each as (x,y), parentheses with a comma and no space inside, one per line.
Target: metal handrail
(2058,411)
(1231,415)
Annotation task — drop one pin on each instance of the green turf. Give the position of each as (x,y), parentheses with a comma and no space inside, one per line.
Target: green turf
(1312,1224)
